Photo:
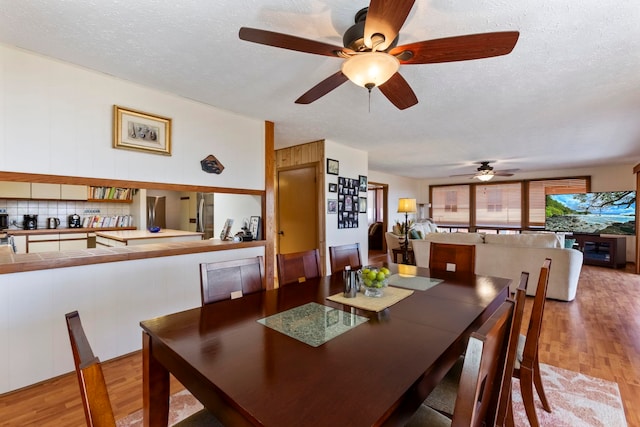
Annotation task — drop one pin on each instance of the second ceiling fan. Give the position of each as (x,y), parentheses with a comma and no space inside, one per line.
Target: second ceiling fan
(372,57)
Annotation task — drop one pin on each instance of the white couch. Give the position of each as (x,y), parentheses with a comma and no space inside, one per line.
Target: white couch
(507,255)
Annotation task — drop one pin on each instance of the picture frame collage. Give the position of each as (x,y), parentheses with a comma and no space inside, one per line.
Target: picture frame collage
(348,202)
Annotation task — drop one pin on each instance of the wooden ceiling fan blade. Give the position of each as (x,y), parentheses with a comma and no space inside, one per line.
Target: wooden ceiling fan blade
(286,41)
(459,48)
(385,17)
(322,88)
(398,91)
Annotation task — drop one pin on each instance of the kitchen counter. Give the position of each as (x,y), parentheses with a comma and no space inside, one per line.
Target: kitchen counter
(143,237)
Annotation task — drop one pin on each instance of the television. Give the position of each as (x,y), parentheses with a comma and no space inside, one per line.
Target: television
(612,212)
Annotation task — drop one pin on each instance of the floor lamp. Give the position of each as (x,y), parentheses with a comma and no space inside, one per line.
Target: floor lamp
(406,206)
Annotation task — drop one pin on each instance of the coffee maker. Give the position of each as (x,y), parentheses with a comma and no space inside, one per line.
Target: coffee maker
(74,221)
(30,222)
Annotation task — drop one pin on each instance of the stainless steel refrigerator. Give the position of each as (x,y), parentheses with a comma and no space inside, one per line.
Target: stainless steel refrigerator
(156,211)
(204,218)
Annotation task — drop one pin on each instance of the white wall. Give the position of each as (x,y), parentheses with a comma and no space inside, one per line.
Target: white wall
(399,187)
(353,163)
(111,298)
(239,207)
(56,118)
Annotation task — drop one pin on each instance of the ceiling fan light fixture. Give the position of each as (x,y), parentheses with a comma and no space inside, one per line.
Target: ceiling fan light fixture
(370,69)
(484,177)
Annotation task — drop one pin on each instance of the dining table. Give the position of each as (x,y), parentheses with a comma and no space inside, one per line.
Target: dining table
(305,355)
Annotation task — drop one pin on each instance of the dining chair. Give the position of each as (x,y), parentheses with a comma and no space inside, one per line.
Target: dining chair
(345,255)
(230,279)
(93,388)
(481,376)
(297,267)
(443,396)
(527,365)
(452,257)
(505,406)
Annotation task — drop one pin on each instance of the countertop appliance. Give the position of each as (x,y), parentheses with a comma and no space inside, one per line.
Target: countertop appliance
(4,221)
(74,221)
(156,211)
(30,222)
(53,222)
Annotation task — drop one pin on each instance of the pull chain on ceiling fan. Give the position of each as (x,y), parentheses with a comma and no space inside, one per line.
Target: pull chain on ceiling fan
(372,57)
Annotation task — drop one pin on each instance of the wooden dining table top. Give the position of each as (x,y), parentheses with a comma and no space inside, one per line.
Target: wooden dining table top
(375,373)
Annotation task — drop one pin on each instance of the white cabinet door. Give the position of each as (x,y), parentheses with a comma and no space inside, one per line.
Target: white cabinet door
(73,192)
(72,245)
(37,247)
(15,190)
(21,244)
(45,191)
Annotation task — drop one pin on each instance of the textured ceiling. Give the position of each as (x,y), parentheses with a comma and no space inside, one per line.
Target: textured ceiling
(567,96)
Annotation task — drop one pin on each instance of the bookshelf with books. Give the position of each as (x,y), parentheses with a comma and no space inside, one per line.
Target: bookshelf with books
(111,194)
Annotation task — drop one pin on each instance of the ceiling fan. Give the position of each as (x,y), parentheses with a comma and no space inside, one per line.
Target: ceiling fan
(486,173)
(372,57)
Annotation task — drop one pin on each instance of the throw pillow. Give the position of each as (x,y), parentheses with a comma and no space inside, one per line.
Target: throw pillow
(568,243)
(415,234)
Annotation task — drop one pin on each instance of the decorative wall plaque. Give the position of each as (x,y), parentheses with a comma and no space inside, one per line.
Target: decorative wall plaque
(211,165)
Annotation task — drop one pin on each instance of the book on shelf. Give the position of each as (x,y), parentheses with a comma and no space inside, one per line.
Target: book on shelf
(110,193)
(113,221)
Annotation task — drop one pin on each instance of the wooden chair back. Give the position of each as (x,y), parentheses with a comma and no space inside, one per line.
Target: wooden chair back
(345,255)
(224,280)
(530,351)
(505,408)
(483,369)
(452,257)
(93,388)
(297,267)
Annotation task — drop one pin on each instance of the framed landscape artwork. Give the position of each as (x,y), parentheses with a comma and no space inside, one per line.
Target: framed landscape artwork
(135,130)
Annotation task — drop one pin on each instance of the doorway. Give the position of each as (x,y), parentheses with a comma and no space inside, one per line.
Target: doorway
(377,210)
(297,209)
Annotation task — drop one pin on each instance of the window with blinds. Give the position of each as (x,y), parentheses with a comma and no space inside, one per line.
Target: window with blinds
(450,204)
(499,205)
(538,191)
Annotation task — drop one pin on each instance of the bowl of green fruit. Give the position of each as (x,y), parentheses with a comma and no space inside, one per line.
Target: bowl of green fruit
(373,280)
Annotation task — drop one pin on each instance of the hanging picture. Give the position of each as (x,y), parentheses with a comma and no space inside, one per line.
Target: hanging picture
(333,167)
(348,202)
(135,130)
(363,205)
(363,184)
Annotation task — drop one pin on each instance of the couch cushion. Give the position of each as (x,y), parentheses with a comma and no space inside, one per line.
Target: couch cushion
(541,240)
(464,238)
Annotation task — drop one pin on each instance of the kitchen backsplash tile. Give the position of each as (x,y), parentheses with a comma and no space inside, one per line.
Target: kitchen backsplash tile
(15,209)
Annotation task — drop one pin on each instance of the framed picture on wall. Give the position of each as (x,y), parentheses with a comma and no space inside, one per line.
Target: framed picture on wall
(333,188)
(333,167)
(363,184)
(332,206)
(362,205)
(135,130)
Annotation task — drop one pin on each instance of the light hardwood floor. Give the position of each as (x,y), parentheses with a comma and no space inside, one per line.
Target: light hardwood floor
(598,334)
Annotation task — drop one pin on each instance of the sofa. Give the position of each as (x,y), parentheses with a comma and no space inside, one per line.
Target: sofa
(507,255)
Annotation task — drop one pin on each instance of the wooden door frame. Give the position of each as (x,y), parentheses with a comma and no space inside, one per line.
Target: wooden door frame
(385,209)
(320,202)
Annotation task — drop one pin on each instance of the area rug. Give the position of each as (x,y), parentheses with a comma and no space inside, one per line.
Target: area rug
(577,400)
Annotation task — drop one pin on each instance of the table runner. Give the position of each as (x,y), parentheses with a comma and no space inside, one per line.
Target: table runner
(389,297)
